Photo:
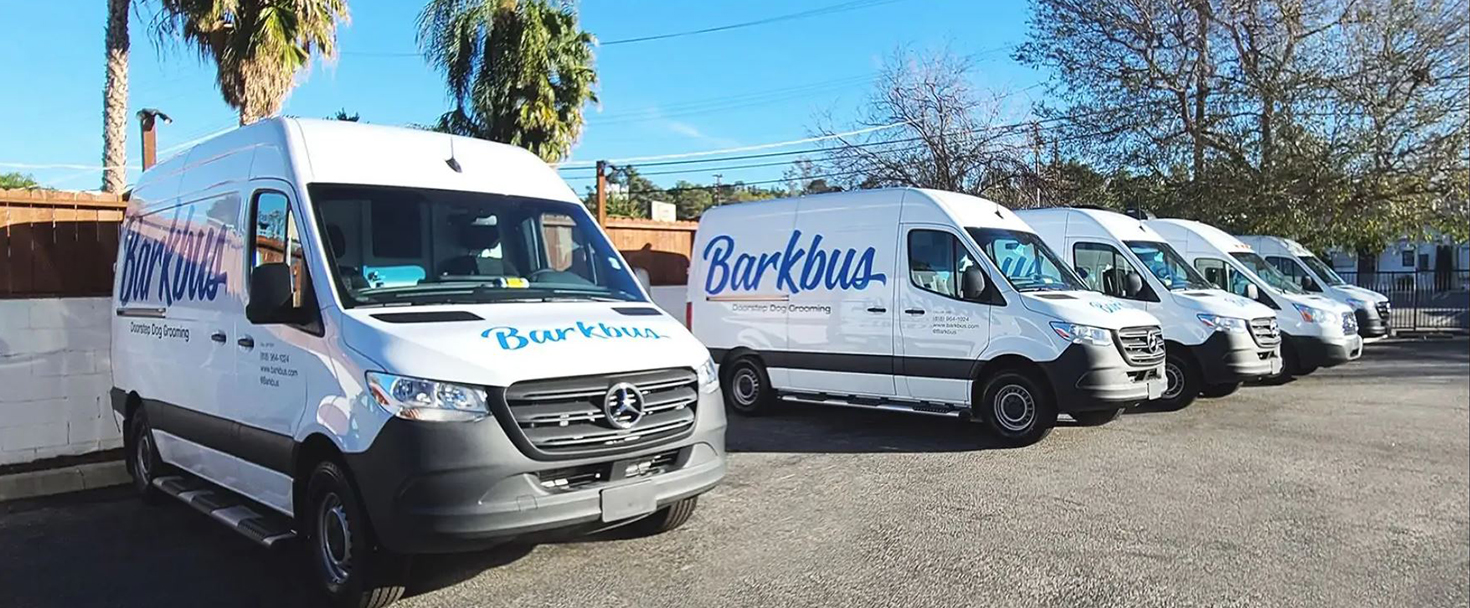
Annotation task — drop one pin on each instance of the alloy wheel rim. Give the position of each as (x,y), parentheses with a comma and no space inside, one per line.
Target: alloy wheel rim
(746,387)
(1015,408)
(334,538)
(143,460)
(1174,380)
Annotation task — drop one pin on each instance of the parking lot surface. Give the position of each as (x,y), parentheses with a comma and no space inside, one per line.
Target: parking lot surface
(1345,488)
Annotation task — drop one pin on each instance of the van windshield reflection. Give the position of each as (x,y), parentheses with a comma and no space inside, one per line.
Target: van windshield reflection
(406,246)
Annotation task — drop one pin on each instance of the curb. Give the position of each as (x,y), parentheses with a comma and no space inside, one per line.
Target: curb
(74,478)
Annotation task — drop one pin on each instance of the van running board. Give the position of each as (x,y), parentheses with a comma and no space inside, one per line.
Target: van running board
(918,407)
(256,523)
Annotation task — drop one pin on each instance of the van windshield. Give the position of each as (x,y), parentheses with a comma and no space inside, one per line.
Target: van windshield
(1167,265)
(1027,263)
(1329,276)
(1267,272)
(396,246)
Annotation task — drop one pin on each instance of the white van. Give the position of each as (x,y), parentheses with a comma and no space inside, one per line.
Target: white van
(1214,340)
(918,300)
(390,341)
(1317,331)
(1316,276)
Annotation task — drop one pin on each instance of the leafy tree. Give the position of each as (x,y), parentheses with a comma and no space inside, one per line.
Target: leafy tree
(115,98)
(17,180)
(1337,122)
(518,71)
(257,46)
(342,115)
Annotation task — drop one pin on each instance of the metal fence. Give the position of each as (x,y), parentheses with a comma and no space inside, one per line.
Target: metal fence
(1422,300)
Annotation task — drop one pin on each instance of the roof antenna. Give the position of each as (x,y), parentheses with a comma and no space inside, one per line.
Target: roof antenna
(451,161)
(997,211)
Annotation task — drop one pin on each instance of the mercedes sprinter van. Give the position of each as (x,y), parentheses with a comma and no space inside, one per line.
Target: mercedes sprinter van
(1316,331)
(1213,340)
(917,300)
(388,341)
(1315,276)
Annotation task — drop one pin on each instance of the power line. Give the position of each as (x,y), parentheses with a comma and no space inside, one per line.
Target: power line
(741,184)
(827,10)
(781,144)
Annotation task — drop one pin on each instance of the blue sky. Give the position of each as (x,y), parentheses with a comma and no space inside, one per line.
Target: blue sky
(714,91)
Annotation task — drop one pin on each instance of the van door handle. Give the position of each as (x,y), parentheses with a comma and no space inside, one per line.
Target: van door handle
(914,311)
(877,309)
(246,341)
(218,336)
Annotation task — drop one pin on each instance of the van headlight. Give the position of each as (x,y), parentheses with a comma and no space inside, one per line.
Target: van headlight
(709,381)
(1226,324)
(419,399)
(1315,315)
(1082,334)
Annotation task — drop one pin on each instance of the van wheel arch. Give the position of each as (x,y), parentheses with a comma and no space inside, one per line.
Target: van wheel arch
(131,404)
(1015,363)
(314,450)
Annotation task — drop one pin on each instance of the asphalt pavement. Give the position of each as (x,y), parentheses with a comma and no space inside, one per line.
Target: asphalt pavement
(1345,488)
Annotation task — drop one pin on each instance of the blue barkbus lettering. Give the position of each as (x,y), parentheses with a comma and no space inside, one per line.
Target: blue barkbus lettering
(1107,306)
(186,264)
(797,268)
(511,338)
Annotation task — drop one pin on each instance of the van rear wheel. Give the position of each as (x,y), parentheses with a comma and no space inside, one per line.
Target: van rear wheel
(144,463)
(748,388)
(352,570)
(667,519)
(1016,409)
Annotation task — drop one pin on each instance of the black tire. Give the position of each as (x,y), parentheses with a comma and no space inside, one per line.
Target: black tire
(1216,391)
(1097,417)
(1291,362)
(1183,382)
(352,570)
(1015,408)
(144,463)
(747,388)
(667,518)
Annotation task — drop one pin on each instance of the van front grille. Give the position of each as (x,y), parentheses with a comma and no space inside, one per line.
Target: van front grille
(1383,310)
(1265,332)
(1141,346)
(568,417)
(588,475)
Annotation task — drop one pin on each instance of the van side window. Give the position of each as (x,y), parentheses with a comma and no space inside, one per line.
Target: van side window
(936,261)
(1102,267)
(277,239)
(1292,270)
(1214,271)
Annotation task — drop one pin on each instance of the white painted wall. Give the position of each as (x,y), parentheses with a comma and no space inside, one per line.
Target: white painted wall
(55,371)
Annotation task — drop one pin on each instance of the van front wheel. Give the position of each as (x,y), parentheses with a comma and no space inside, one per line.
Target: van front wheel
(1016,409)
(353,572)
(143,463)
(747,387)
(1183,383)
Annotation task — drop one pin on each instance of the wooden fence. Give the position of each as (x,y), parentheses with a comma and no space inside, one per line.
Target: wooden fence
(57,243)
(63,244)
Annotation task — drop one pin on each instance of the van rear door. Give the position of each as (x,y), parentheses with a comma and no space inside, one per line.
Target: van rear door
(840,324)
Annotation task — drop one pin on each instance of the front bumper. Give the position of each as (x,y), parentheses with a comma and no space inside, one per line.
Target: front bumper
(1086,378)
(1370,325)
(1228,357)
(432,487)
(1317,351)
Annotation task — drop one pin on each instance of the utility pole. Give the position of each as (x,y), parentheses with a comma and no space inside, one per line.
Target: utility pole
(602,193)
(1036,158)
(716,197)
(147,123)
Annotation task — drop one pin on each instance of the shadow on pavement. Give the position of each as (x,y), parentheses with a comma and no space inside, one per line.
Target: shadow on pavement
(806,428)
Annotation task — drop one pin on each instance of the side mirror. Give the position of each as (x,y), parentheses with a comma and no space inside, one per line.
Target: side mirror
(270,294)
(1132,284)
(1252,292)
(643,278)
(972,283)
(1083,273)
(1309,284)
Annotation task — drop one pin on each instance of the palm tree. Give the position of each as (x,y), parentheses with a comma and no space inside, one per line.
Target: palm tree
(115,99)
(257,46)
(518,71)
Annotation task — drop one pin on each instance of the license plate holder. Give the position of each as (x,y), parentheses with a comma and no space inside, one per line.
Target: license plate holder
(628,501)
(1276,365)
(1156,389)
